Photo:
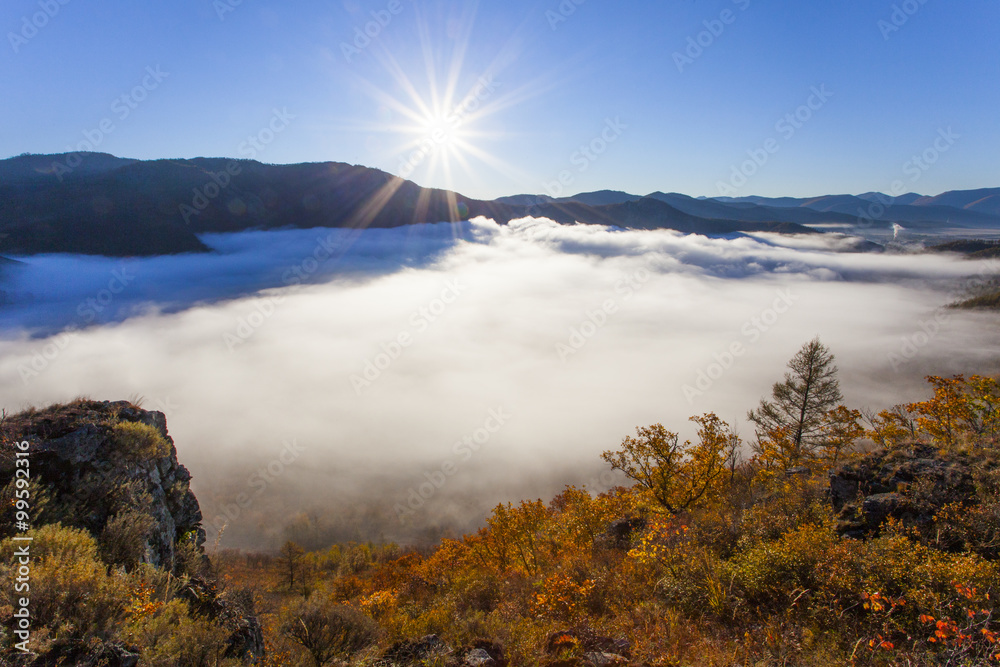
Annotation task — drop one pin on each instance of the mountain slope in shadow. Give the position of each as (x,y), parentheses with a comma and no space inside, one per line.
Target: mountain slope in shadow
(120,207)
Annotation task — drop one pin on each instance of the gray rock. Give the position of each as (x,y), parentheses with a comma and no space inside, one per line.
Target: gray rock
(479,658)
(907,485)
(600,659)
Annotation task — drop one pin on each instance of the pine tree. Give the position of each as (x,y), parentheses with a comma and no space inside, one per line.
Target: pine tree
(810,390)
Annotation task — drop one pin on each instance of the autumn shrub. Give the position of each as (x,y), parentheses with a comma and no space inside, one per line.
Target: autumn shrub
(809,560)
(789,503)
(189,559)
(123,540)
(171,636)
(478,591)
(72,594)
(139,442)
(328,631)
(962,412)
(356,558)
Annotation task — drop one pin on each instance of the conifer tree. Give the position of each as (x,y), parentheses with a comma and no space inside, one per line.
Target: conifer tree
(800,401)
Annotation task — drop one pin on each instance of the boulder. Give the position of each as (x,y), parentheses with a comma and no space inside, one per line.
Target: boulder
(481,653)
(587,640)
(602,659)
(413,652)
(909,485)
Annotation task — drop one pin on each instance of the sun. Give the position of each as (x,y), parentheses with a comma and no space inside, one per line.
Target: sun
(434,109)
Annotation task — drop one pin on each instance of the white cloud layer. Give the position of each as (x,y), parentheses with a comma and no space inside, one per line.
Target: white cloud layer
(578,333)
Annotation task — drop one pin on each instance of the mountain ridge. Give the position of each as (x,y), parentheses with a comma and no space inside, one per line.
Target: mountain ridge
(100,204)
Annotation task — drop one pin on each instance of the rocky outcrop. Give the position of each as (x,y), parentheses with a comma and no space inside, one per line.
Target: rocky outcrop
(88,479)
(597,648)
(481,653)
(413,652)
(111,469)
(431,649)
(909,485)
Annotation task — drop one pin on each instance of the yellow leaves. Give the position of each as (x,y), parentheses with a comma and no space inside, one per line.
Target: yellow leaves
(841,429)
(679,475)
(562,597)
(658,543)
(877,602)
(512,537)
(891,428)
(960,410)
(141,603)
(379,603)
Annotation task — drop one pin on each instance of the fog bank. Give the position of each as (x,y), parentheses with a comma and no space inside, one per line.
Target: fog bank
(328,380)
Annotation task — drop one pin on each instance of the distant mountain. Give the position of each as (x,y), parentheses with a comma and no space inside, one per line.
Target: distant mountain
(524,200)
(101,204)
(598,198)
(29,168)
(653,213)
(750,212)
(601,198)
(971,248)
(971,208)
(984,200)
(905,199)
(778,202)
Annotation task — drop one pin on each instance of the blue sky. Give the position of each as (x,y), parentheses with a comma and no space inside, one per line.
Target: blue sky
(551,78)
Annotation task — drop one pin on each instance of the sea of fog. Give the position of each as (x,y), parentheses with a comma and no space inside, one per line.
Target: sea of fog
(395,384)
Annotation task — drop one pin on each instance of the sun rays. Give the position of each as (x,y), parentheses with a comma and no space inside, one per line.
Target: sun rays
(435,107)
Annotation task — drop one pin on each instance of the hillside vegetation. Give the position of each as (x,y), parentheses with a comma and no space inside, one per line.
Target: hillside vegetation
(834,537)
